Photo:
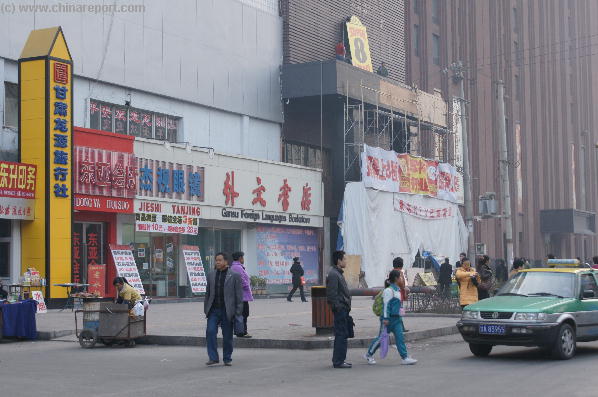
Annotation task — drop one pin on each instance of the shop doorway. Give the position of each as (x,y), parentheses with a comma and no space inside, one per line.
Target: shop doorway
(164,265)
(212,241)
(88,248)
(5,232)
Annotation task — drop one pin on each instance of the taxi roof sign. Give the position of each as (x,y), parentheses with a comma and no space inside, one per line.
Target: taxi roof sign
(564,263)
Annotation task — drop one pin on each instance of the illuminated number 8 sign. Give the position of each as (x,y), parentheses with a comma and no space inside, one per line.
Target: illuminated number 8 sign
(359,50)
(358,41)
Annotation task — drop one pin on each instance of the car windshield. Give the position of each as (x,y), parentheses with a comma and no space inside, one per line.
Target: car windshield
(540,284)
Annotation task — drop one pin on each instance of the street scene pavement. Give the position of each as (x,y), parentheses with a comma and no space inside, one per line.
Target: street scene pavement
(270,319)
(445,368)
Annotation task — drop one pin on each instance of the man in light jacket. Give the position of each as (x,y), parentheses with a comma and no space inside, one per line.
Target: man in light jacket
(223,302)
(238,266)
(337,294)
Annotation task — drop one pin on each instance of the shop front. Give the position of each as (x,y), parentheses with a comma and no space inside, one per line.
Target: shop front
(219,203)
(105,180)
(17,205)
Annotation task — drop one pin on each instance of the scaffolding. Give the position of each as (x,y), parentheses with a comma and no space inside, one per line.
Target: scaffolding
(390,129)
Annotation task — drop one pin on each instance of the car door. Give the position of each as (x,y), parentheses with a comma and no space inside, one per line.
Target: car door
(587,319)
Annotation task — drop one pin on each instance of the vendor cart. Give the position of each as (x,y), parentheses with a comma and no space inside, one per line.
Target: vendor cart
(108,323)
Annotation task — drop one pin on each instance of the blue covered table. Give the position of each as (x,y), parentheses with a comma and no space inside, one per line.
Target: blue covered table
(18,319)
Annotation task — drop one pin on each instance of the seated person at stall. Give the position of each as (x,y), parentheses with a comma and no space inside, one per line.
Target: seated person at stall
(126,293)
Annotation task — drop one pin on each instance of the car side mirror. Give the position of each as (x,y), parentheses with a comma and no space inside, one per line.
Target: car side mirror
(588,293)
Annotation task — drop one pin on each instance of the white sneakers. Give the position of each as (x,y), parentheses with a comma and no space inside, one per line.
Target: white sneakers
(408,361)
(405,361)
(370,359)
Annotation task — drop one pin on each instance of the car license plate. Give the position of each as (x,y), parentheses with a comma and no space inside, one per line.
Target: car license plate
(490,329)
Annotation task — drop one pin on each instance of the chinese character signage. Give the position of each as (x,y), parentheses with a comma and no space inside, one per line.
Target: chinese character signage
(402,173)
(17,190)
(276,248)
(103,172)
(126,266)
(96,278)
(156,217)
(161,179)
(230,188)
(46,141)
(195,269)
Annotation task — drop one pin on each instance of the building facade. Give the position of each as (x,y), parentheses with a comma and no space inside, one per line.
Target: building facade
(335,104)
(204,77)
(543,52)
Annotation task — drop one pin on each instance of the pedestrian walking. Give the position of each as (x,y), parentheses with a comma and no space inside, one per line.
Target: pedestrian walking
(518,264)
(337,294)
(398,264)
(462,257)
(486,283)
(239,267)
(297,272)
(223,302)
(445,277)
(468,280)
(391,319)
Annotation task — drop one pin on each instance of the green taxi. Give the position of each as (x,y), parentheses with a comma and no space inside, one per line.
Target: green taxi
(553,308)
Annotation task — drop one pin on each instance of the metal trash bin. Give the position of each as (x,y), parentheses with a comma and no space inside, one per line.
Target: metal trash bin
(322,318)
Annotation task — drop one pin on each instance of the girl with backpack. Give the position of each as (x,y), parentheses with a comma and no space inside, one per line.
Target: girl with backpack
(391,318)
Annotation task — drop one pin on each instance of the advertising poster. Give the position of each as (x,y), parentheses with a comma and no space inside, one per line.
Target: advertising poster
(96,277)
(195,269)
(276,248)
(126,266)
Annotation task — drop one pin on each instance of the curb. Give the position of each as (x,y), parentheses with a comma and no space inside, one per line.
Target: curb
(49,335)
(289,344)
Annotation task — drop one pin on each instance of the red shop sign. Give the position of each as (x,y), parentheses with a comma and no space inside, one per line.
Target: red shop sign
(101,172)
(83,202)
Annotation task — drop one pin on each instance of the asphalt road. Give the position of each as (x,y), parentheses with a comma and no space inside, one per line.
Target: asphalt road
(446,368)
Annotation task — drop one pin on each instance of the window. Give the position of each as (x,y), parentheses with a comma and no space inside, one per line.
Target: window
(131,121)
(517,87)
(436,11)
(416,39)
(307,156)
(11,105)
(417,6)
(514,20)
(588,283)
(436,49)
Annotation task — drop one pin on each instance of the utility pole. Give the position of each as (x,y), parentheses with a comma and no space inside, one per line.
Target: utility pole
(504,173)
(458,77)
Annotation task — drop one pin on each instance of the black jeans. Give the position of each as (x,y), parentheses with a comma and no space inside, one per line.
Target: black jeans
(341,328)
(301,292)
(245,315)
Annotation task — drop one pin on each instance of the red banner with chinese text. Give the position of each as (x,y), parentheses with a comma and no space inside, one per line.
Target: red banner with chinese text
(96,277)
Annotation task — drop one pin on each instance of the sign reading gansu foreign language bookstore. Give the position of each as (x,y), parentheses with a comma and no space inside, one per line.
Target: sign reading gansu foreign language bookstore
(46,140)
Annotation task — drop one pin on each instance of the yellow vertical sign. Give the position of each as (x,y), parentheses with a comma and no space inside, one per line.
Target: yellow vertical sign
(358,44)
(46,140)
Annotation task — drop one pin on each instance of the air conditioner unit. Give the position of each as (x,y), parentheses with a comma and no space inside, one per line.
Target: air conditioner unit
(488,205)
(480,249)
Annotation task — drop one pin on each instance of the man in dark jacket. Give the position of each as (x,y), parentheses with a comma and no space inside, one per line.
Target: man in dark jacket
(444,277)
(223,302)
(337,293)
(297,272)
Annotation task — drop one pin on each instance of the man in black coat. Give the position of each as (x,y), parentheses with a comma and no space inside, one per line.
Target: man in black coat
(297,272)
(444,277)
(339,298)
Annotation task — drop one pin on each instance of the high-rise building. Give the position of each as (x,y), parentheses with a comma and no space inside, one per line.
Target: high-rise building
(544,51)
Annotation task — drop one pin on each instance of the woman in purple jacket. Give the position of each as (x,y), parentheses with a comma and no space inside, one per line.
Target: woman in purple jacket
(237,266)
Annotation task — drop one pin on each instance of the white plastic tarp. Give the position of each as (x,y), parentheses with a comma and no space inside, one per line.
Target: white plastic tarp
(373,229)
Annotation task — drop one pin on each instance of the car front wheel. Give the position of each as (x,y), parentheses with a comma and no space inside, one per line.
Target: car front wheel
(565,344)
(479,350)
